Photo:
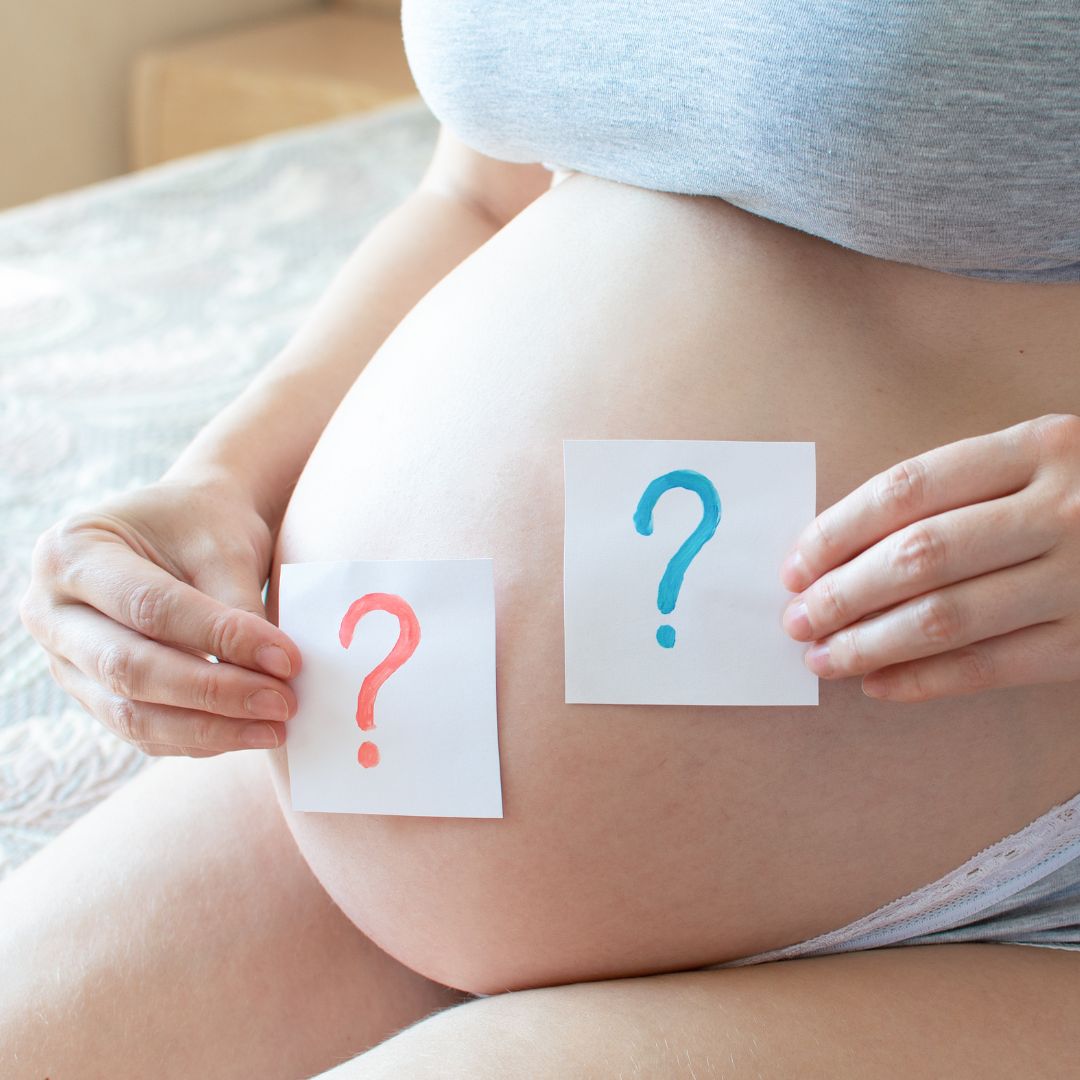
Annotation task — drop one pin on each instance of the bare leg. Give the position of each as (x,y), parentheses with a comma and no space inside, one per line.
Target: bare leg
(176,931)
(967,1012)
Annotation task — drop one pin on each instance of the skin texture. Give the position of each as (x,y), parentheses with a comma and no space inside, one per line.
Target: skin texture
(640,840)
(233,963)
(131,597)
(174,931)
(969,1012)
(970,551)
(601,311)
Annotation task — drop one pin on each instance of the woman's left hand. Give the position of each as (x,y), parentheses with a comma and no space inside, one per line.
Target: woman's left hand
(955,571)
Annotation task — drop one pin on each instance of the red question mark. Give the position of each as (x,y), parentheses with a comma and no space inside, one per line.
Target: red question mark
(404,647)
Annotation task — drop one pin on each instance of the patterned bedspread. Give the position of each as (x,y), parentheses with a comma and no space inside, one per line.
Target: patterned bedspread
(130,312)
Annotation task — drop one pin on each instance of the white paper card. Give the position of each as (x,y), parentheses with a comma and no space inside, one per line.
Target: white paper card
(435,733)
(729,647)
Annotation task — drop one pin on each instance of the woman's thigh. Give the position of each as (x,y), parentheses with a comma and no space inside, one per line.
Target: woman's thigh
(957,1011)
(175,931)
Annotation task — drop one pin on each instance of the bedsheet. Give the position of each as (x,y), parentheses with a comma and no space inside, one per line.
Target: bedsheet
(130,312)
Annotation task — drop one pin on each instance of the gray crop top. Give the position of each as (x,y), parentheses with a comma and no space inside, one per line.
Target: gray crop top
(944,133)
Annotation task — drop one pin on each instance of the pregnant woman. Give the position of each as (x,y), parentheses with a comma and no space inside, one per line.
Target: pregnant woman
(848,223)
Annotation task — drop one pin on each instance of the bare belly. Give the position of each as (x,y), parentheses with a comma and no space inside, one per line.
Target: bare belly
(641,839)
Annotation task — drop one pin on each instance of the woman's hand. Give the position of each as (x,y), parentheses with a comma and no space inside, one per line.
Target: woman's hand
(953,572)
(131,600)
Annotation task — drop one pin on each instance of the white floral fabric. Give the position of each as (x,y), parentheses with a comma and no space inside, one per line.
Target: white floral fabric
(130,313)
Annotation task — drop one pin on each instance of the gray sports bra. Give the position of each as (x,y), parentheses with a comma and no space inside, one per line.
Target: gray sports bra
(939,132)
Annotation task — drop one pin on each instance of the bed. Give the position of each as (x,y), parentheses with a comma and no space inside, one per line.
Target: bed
(130,312)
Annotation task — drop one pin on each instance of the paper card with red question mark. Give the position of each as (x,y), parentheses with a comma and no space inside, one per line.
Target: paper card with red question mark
(396,696)
(671,579)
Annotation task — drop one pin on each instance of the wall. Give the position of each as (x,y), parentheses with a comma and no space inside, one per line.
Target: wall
(64,70)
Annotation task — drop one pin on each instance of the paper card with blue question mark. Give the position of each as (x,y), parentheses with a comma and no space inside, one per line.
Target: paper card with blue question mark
(397,690)
(671,571)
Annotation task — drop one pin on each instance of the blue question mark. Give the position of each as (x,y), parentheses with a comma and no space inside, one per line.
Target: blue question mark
(670,584)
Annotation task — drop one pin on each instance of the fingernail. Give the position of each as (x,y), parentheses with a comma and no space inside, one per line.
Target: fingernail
(268,704)
(274,660)
(798,621)
(875,686)
(259,736)
(817,659)
(793,568)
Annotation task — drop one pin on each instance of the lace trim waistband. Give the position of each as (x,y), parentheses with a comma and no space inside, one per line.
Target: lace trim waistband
(993,875)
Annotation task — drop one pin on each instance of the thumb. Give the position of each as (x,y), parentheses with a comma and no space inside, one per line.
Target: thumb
(233,584)
(236,584)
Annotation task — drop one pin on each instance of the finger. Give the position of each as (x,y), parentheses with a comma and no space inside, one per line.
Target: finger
(159,729)
(967,471)
(941,621)
(1025,657)
(929,554)
(132,667)
(139,594)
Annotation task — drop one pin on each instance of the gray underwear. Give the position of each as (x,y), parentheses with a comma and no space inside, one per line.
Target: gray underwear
(1023,890)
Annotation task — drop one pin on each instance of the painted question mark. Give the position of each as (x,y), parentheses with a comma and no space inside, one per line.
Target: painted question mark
(404,647)
(670,584)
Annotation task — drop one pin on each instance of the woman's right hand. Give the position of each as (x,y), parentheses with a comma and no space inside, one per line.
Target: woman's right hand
(131,599)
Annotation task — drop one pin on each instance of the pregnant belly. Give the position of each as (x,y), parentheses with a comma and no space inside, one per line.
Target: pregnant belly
(641,839)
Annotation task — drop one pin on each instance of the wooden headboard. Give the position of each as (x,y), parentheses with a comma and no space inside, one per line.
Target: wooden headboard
(390,7)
